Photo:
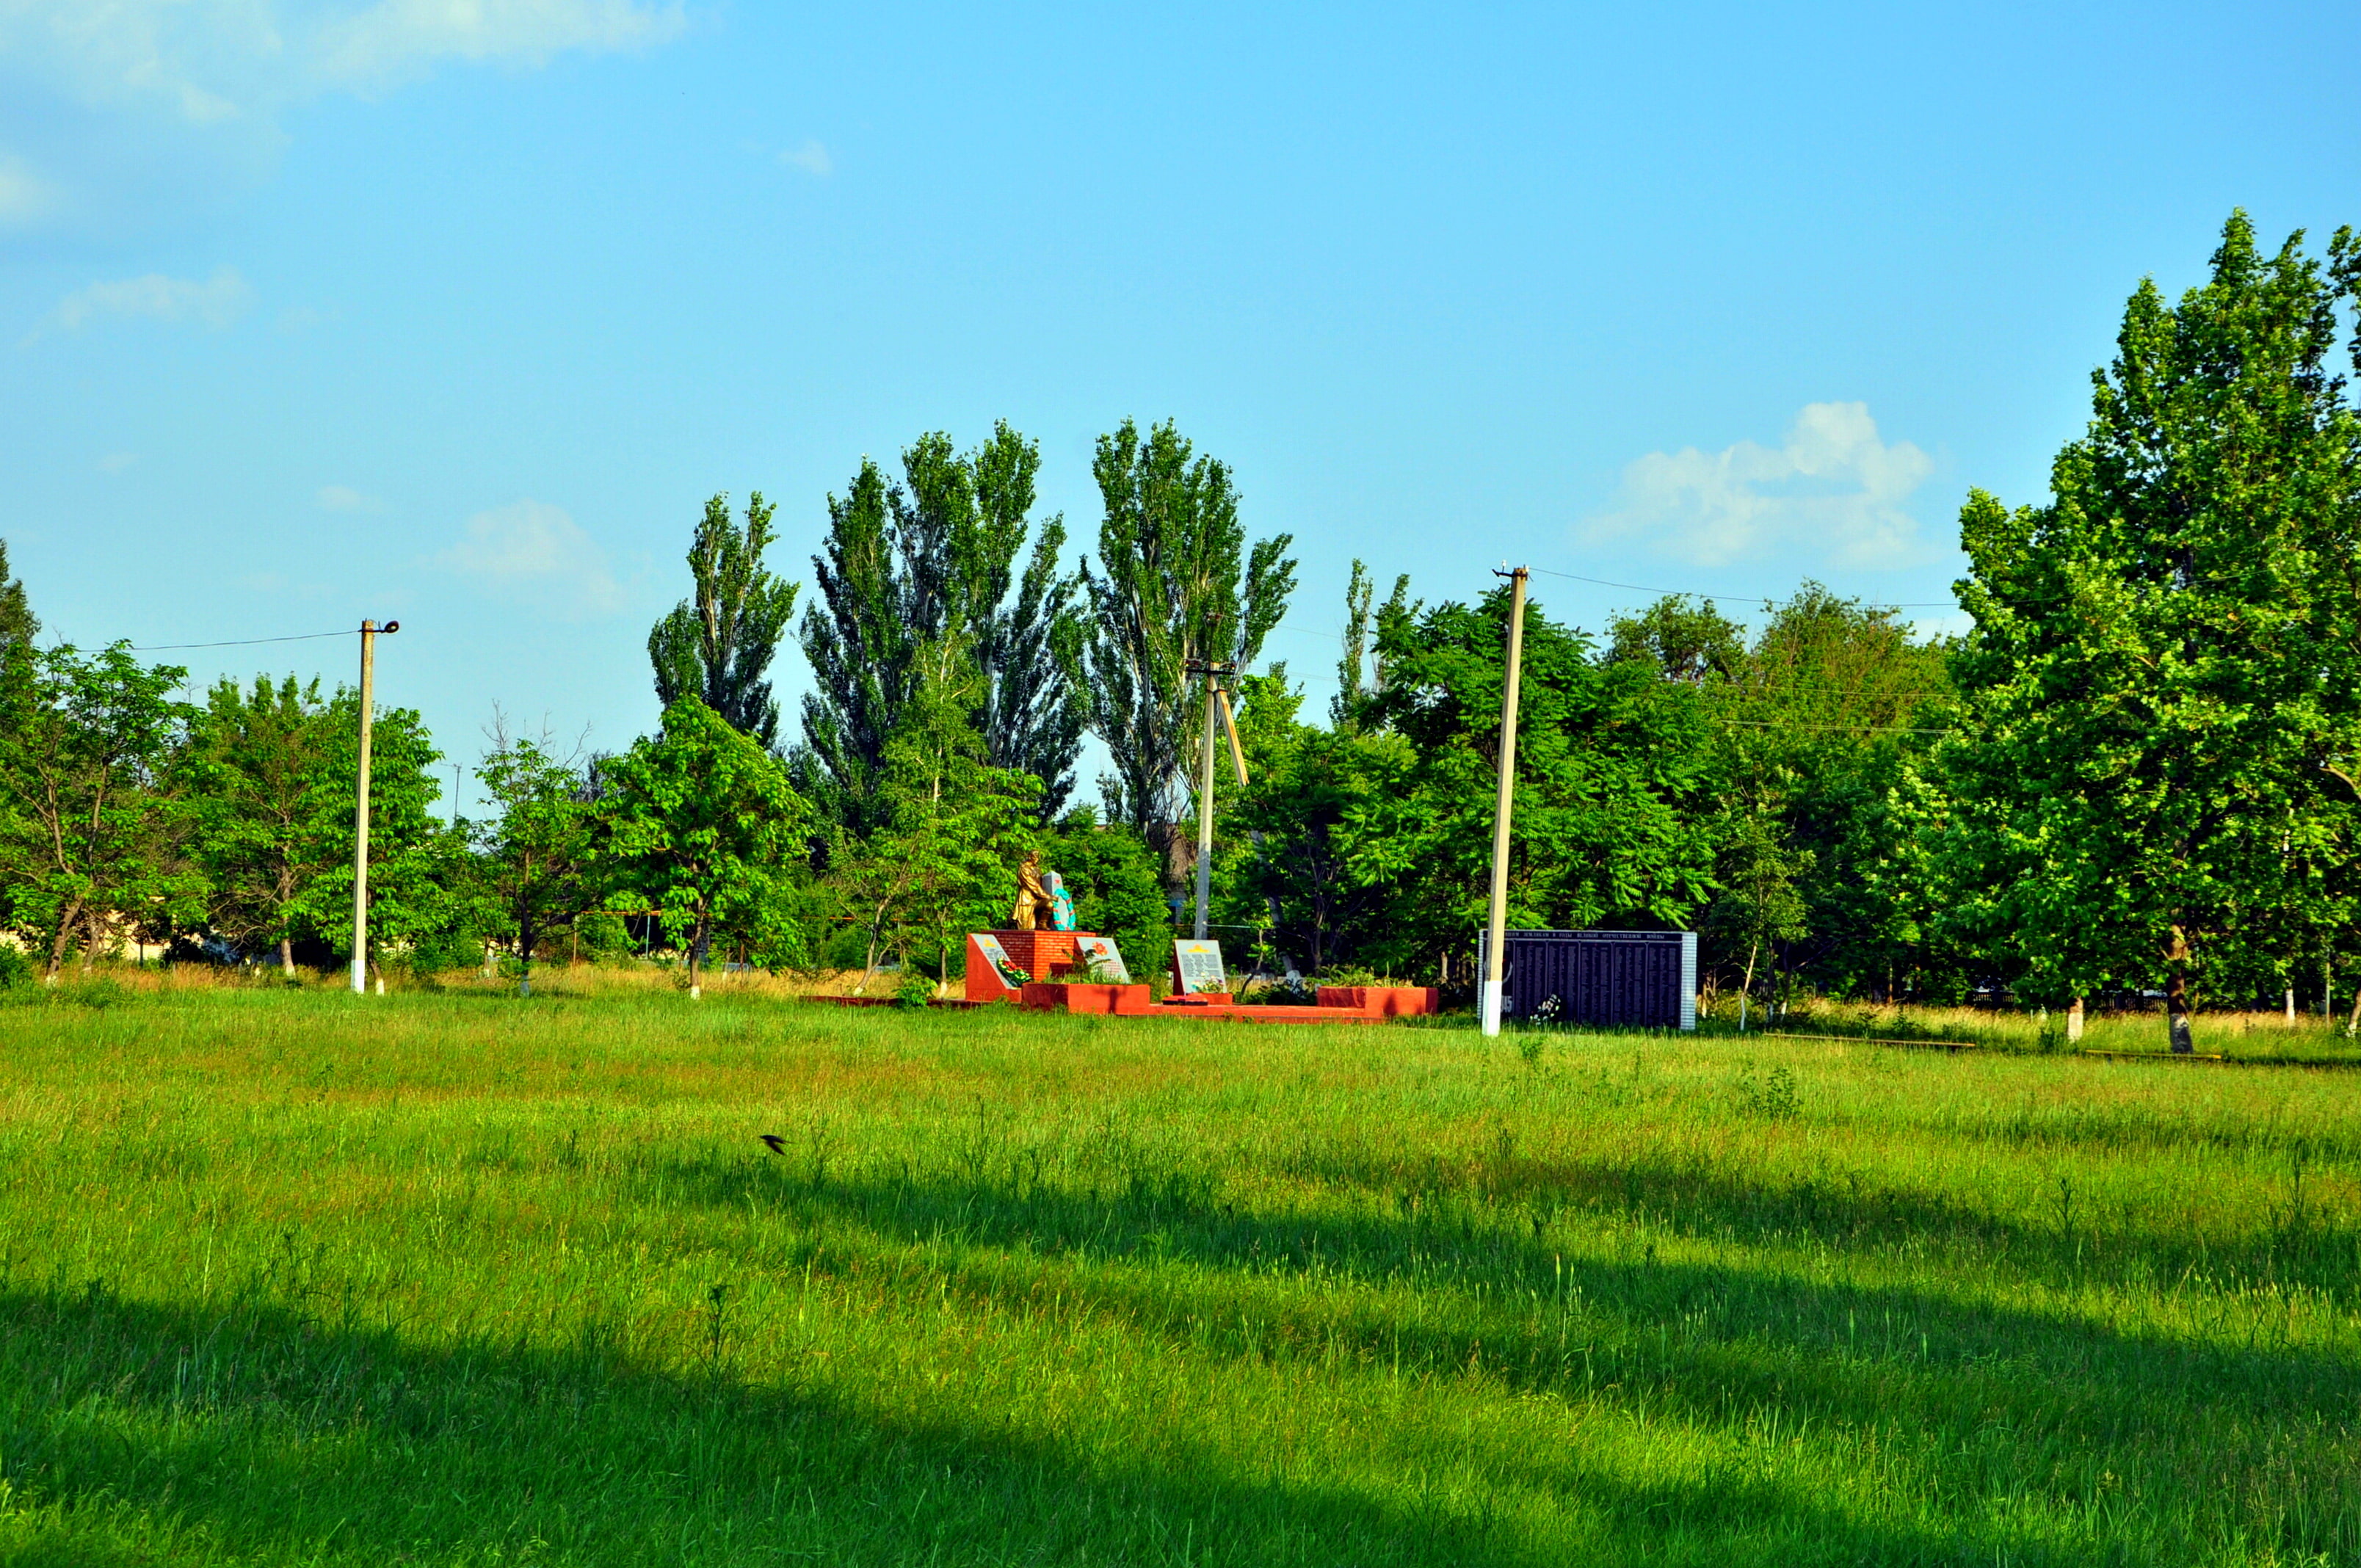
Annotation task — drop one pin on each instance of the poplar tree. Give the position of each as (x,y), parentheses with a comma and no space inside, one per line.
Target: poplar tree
(1175,582)
(920,570)
(717,645)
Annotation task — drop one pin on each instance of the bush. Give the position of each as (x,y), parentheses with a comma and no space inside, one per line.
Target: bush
(916,991)
(15,968)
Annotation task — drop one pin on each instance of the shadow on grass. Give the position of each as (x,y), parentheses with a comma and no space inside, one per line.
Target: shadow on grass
(135,1433)
(2043,1403)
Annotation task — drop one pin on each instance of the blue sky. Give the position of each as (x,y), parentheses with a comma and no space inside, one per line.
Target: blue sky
(455,311)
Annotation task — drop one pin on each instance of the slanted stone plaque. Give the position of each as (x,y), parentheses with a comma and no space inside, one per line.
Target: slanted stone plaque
(1002,967)
(1199,966)
(1100,957)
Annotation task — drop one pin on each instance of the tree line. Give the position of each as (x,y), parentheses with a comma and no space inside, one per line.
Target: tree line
(2135,772)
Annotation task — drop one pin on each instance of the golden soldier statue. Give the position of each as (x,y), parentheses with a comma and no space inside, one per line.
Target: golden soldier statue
(1032,894)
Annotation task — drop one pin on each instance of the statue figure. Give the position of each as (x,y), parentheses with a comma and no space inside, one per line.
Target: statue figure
(1061,903)
(1032,894)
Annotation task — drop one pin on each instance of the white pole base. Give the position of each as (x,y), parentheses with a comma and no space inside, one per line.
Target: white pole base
(1490,1007)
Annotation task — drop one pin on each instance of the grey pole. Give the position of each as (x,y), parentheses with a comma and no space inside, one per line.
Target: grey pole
(1497,915)
(361,812)
(369,629)
(1205,818)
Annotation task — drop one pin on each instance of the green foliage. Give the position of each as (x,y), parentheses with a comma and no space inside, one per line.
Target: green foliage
(1682,638)
(702,824)
(2162,697)
(536,858)
(1292,830)
(718,644)
(1359,675)
(1612,787)
(1118,891)
(253,765)
(17,623)
(944,861)
(930,563)
(94,827)
(1175,582)
(419,870)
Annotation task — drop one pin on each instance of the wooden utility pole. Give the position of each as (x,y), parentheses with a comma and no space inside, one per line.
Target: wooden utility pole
(361,804)
(1497,917)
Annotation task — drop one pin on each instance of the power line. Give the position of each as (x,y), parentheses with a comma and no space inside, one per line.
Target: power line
(1880,728)
(241,641)
(1634,587)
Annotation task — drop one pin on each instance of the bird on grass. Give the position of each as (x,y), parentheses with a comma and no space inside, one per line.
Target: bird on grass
(778,1145)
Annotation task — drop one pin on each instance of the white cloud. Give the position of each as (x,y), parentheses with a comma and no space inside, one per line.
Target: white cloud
(25,197)
(216,302)
(533,551)
(811,158)
(395,39)
(344,497)
(210,60)
(1833,490)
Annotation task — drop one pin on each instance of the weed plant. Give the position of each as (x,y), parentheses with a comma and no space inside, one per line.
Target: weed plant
(290,1277)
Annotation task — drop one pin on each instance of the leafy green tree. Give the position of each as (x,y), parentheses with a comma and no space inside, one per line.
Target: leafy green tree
(17,623)
(700,821)
(537,856)
(928,561)
(1759,905)
(1683,638)
(717,645)
(944,861)
(253,761)
(1611,802)
(1284,842)
(92,830)
(1117,887)
(2159,697)
(420,900)
(1815,722)
(1175,582)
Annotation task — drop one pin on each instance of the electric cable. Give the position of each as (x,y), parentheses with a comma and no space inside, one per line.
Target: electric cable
(243,641)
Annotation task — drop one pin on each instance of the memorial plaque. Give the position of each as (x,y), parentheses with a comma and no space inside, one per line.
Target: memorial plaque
(1615,978)
(1100,957)
(1199,965)
(1004,968)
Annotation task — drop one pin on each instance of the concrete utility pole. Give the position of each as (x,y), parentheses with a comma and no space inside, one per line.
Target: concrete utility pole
(1212,674)
(361,804)
(1496,939)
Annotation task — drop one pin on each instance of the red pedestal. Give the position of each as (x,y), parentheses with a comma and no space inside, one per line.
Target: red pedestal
(1128,1001)
(1384,1001)
(1040,954)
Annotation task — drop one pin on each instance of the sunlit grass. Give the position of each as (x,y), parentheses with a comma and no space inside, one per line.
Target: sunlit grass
(293,1276)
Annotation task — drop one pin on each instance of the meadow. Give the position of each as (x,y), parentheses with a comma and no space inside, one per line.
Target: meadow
(288,1276)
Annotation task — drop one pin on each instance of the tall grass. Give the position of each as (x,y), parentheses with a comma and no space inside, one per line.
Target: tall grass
(288,1276)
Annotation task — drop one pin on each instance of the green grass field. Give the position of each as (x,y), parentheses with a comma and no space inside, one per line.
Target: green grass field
(294,1278)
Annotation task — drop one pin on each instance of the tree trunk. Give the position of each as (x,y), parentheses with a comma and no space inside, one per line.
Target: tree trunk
(65,935)
(90,939)
(697,957)
(1746,990)
(2074,1023)
(2176,995)
(287,957)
